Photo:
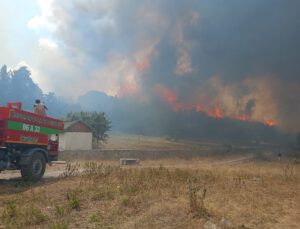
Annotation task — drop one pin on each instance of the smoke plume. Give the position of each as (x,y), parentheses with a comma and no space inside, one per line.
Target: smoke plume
(236,59)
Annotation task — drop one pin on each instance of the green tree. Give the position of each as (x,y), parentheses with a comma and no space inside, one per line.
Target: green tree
(96,120)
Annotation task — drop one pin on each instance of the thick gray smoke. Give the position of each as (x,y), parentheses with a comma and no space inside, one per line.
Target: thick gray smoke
(227,58)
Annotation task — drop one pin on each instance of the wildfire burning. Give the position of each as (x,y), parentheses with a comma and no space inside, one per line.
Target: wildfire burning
(214,111)
(270,122)
(243,117)
(169,96)
(127,89)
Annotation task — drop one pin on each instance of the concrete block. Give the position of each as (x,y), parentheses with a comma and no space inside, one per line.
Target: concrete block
(129,161)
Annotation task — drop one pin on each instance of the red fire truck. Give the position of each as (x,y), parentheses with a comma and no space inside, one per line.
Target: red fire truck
(27,141)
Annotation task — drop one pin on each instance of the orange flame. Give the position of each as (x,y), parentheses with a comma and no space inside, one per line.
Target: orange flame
(169,96)
(243,117)
(218,113)
(127,89)
(270,122)
(213,111)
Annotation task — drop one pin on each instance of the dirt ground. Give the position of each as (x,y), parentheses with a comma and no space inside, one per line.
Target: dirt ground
(176,185)
(240,192)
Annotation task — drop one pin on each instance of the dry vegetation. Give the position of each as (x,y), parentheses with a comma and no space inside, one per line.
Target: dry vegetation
(250,195)
(195,191)
(140,142)
(148,148)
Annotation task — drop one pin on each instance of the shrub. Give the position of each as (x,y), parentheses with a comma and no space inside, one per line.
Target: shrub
(74,201)
(196,201)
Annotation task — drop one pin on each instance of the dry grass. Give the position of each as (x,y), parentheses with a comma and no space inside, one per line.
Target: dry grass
(154,148)
(140,142)
(249,195)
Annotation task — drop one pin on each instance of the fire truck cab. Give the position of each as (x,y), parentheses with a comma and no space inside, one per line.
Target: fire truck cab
(27,141)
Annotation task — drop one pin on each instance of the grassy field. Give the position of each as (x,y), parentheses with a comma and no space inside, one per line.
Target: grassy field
(140,142)
(248,195)
(172,192)
(153,148)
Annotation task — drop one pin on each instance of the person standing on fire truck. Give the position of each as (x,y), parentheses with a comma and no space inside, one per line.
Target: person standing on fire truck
(39,108)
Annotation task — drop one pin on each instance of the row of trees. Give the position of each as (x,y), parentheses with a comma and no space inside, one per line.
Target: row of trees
(153,118)
(17,85)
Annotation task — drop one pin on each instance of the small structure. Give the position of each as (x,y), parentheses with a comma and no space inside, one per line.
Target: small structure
(77,135)
(129,161)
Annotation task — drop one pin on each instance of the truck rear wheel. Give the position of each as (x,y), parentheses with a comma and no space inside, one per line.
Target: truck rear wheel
(35,170)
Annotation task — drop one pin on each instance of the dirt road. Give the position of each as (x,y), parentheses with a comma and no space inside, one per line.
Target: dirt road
(55,171)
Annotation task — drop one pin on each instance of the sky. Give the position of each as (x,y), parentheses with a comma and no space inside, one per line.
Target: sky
(31,34)
(18,42)
(232,58)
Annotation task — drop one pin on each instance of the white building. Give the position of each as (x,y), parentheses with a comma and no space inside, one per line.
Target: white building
(77,136)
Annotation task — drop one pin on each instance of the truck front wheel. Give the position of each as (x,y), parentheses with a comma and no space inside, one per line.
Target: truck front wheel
(35,169)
